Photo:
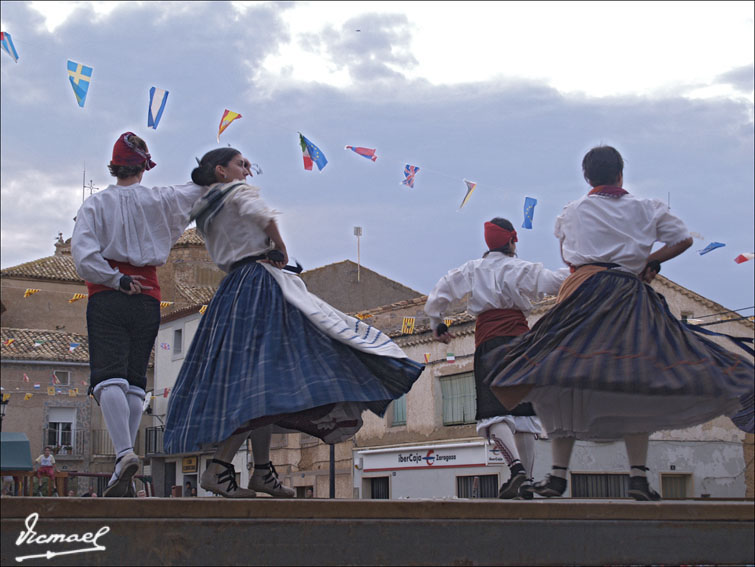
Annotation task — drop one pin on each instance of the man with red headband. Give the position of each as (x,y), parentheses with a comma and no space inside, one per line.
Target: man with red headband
(122,234)
(501,289)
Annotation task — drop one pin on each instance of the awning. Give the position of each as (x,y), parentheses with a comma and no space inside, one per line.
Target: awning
(15,452)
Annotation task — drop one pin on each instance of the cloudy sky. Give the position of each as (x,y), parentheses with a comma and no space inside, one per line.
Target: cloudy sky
(509,95)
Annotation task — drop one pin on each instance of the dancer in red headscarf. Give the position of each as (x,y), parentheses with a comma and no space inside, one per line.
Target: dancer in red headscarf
(122,234)
(501,289)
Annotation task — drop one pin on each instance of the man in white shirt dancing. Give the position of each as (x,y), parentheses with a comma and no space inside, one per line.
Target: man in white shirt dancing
(121,235)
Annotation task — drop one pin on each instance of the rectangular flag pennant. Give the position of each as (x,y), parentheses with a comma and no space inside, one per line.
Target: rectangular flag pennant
(427,357)
(470,189)
(407,327)
(744,257)
(77,296)
(80,77)
(710,247)
(30,291)
(51,390)
(369,153)
(73,392)
(450,357)
(73,346)
(165,346)
(37,387)
(55,379)
(28,396)
(7,44)
(26,378)
(38,343)
(311,154)
(529,211)
(225,121)
(166,392)
(157,100)
(6,398)
(410,171)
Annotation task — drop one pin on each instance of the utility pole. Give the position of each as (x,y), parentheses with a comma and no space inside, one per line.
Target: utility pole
(358,233)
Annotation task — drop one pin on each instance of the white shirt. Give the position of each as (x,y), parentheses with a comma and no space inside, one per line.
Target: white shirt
(134,224)
(497,281)
(238,230)
(620,230)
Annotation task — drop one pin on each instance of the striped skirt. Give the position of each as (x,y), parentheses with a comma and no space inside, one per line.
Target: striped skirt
(258,360)
(612,360)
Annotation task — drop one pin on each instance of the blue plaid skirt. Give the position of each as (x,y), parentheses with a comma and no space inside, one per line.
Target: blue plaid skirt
(257,360)
(615,334)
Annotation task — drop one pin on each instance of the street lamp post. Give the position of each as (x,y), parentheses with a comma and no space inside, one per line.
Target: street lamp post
(3,406)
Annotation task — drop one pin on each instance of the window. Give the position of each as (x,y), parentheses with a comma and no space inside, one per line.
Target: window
(399,411)
(60,431)
(305,492)
(479,486)
(675,486)
(686,315)
(607,485)
(178,341)
(63,377)
(459,399)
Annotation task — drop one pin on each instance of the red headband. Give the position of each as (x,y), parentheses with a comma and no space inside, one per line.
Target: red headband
(127,153)
(497,237)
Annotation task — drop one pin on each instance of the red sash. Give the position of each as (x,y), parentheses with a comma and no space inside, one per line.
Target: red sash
(608,191)
(499,323)
(149,273)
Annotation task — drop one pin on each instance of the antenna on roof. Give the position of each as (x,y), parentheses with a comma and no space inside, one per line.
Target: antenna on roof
(358,233)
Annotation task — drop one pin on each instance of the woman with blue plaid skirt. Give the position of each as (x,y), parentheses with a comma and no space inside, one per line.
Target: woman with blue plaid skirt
(610,361)
(267,352)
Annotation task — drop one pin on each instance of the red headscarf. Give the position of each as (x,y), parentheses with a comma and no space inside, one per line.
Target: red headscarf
(497,237)
(127,153)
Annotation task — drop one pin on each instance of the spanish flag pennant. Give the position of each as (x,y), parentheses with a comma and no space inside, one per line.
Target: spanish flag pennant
(427,357)
(407,327)
(8,342)
(31,291)
(225,121)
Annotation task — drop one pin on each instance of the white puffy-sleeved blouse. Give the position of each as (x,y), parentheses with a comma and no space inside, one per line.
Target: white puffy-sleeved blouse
(133,224)
(622,230)
(497,281)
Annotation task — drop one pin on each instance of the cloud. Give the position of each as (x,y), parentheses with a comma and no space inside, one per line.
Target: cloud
(741,78)
(372,47)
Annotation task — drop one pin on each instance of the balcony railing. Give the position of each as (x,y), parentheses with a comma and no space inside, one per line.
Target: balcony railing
(102,445)
(64,443)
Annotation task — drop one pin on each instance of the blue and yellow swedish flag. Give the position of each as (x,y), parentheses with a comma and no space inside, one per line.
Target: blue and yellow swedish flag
(80,76)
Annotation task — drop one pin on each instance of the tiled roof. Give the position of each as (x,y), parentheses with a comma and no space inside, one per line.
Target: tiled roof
(56,268)
(190,237)
(55,345)
(349,263)
(196,294)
